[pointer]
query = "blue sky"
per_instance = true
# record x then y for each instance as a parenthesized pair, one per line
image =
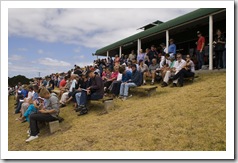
(53, 40)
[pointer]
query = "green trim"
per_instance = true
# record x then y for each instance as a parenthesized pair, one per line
(162, 27)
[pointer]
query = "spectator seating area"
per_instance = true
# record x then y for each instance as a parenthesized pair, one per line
(105, 80)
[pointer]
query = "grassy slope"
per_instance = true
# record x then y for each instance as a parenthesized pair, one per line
(188, 118)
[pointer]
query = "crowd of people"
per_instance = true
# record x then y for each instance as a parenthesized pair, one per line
(107, 77)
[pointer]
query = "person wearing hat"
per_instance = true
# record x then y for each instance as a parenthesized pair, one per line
(94, 92)
(172, 48)
(200, 49)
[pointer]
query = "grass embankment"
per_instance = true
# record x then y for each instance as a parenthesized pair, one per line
(188, 118)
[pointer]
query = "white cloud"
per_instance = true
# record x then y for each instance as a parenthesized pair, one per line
(40, 51)
(93, 28)
(82, 64)
(15, 57)
(22, 49)
(77, 50)
(79, 57)
(53, 62)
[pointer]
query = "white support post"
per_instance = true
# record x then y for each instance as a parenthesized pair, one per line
(107, 55)
(138, 46)
(210, 42)
(120, 51)
(167, 41)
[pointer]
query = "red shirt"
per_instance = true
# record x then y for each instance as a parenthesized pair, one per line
(62, 83)
(114, 75)
(201, 40)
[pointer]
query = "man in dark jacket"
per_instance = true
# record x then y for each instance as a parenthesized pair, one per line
(135, 81)
(94, 92)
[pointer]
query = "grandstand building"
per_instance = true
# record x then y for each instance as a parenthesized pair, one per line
(182, 29)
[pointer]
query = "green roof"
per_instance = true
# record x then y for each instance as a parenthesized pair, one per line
(164, 26)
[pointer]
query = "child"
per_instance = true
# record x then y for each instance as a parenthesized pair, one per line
(45, 114)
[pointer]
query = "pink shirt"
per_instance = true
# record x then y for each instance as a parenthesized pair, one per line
(114, 75)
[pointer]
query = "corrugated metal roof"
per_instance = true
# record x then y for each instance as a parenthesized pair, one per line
(164, 26)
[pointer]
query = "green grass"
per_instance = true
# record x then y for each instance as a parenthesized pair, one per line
(174, 119)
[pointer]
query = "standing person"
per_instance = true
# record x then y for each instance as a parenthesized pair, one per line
(164, 49)
(172, 48)
(144, 70)
(46, 113)
(151, 55)
(132, 55)
(147, 50)
(219, 43)
(200, 49)
(140, 56)
(116, 60)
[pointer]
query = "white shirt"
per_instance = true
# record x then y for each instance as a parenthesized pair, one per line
(192, 66)
(128, 69)
(179, 65)
(161, 64)
(72, 85)
(30, 95)
(119, 77)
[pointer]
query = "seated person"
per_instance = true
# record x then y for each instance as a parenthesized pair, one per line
(106, 74)
(65, 95)
(187, 71)
(75, 90)
(45, 114)
(111, 79)
(84, 85)
(32, 109)
(50, 84)
(22, 93)
(143, 68)
(94, 92)
(152, 71)
(178, 65)
(25, 105)
(169, 65)
(63, 82)
(135, 81)
(66, 87)
(26, 94)
(126, 76)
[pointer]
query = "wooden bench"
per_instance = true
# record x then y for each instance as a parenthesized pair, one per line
(54, 125)
(108, 103)
(150, 89)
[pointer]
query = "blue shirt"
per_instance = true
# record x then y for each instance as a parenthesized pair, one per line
(126, 76)
(35, 96)
(24, 93)
(140, 56)
(172, 49)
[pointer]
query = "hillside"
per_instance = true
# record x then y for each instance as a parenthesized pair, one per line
(189, 118)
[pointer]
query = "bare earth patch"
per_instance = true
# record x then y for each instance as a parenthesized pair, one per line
(174, 119)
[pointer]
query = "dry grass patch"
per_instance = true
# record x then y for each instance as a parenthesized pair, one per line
(174, 119)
